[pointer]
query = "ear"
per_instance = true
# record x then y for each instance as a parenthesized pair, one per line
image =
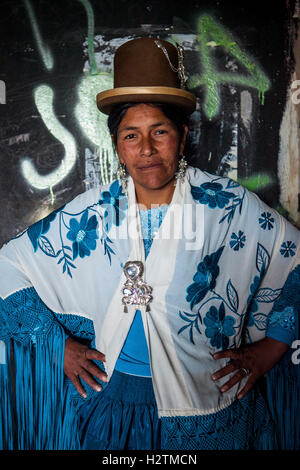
(183, 139)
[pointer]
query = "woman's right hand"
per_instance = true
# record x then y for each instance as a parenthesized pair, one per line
(78, 365)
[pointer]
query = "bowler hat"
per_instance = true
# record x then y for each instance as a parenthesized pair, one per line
(148, 70)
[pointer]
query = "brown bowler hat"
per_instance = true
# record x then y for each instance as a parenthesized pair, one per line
(147, 70)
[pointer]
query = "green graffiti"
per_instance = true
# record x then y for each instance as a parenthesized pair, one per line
(257, 181)
(44, 51)
(211, 35)
(91, 29)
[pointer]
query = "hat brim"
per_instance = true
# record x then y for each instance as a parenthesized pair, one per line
(154, 94)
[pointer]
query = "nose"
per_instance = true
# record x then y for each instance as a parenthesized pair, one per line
(147, 148)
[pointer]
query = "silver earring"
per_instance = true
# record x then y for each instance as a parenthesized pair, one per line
(122, 177)
(180, 174)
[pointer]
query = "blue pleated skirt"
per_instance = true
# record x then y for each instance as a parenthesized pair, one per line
(124, 417)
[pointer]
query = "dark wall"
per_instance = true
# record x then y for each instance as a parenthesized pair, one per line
(54, 47)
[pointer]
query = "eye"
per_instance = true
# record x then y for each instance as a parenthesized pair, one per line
(129, 136)
(160, 131)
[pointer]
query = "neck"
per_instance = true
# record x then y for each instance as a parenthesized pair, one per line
(149, 197)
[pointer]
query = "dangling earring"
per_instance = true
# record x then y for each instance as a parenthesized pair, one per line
(122, 176)
(180, 174)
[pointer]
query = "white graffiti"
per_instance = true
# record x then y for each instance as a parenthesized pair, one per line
(44, 102)
(2, 92)
(94, 124)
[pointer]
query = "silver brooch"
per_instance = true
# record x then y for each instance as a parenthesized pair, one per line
(135, 291)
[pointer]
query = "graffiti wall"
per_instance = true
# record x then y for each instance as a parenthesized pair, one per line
(57, 55)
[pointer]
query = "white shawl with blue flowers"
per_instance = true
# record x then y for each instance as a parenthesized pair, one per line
(216, 266)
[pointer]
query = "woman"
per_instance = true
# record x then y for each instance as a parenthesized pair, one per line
(165, 314)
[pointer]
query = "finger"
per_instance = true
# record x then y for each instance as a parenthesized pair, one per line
(228, 353)
(224, 371)
(233, 381)
(93, 369)
(77, 384)
(248, 386)
(94, 354)
(90, 381)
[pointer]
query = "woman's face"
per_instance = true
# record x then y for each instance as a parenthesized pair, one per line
(149, 144)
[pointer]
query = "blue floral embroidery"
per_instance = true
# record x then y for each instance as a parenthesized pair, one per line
(266, 221)
(251, 298)
(287, 249)
(212, 194)
(260, 295)
(237, 241)
(192, 321)
(41, 227)
(205, 278)
(83, 234)
(254, 318)
(219, 327)
(115, 204)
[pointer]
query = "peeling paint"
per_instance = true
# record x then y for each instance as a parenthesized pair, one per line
(289, 159)
(246, 109)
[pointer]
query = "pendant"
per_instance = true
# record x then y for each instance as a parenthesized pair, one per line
(135, 291)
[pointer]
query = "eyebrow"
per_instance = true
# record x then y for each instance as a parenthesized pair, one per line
(134, 128)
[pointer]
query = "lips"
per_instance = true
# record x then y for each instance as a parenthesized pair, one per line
(149, 167)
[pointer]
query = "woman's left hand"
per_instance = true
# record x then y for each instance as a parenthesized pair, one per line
(254, 360)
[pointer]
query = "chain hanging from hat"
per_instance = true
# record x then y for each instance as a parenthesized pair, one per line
(180, 69)
(183, 79)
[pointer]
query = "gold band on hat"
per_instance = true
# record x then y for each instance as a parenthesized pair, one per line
(156, 94)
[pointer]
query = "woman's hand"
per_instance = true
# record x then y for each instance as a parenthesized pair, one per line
(78, 363)
(253, 360)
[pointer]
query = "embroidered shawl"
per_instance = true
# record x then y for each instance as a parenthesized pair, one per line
(216, 266)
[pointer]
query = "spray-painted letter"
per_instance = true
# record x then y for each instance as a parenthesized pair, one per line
(212, 34)
(44, 103)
